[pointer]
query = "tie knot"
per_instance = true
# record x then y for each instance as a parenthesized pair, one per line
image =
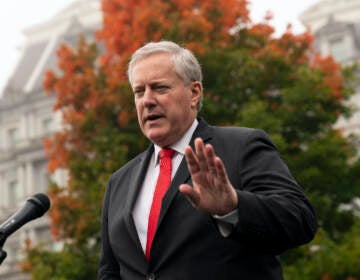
(166, 153)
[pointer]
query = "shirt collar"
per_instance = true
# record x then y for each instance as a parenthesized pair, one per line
(180, 145)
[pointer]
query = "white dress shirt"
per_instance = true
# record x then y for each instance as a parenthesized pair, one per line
(144, 200)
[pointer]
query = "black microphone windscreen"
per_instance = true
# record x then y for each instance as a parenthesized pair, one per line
(41, 201)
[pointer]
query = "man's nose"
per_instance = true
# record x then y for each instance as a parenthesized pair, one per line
(149, 98)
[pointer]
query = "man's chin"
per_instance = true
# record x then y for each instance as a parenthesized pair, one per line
(158, 138)
(155, 136)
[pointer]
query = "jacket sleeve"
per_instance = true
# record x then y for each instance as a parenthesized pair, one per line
(108, 266)
(273, 212)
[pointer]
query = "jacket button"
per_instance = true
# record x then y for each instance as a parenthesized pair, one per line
(150, 276)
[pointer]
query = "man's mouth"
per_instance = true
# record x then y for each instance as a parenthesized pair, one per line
(153, 117)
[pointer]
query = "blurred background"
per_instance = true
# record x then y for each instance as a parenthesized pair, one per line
(64, 101)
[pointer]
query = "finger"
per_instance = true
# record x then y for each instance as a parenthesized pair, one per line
(221, 171)
(210, 158)
(191, 160)
(200, 153)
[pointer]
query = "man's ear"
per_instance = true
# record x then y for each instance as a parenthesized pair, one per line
(196, 90)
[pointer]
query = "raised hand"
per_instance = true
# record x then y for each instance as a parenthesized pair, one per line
(212, 191)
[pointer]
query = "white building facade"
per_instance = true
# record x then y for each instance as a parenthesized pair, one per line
(27, 117)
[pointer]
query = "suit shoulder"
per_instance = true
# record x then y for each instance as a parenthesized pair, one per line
(241, 136)
(130, 165)
(238, 131)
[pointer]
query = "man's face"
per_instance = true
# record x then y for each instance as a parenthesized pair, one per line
(166, 107)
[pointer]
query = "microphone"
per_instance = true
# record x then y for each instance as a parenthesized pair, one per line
(34, 207)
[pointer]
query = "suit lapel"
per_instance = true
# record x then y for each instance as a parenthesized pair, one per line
(182, 175)
(137, 178)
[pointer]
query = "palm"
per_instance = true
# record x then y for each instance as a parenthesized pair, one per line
(212, 191)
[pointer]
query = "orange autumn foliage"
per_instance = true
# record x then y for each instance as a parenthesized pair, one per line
(326, 277)
(295, 48)
(128, 24)
(90, 87)
(67, 206)
(89, 81)
(55, 151)
(199, 25)
(332, 74)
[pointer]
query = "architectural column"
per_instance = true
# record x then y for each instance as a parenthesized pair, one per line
(23, 127)
(31, 125)
(3, 195)
(21, 175)
(30, 188)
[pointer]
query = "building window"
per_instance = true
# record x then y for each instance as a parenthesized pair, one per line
(14, 253)
(42, 234)
(42, 175)
(13, 136)
(338, 49)
(47, 125)
(13, 193)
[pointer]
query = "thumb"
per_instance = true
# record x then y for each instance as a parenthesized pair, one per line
(189, 192)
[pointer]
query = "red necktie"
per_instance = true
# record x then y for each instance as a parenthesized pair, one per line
(162, 184)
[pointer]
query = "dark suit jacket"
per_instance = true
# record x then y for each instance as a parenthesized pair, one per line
(274, 215)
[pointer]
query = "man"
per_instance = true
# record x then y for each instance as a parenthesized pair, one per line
(232, 205)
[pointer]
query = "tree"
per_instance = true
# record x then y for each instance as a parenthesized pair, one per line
(251, 79)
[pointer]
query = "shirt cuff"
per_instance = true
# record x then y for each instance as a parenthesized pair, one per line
(226, 222)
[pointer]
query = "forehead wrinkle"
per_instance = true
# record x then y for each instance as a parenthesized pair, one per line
(158, 61)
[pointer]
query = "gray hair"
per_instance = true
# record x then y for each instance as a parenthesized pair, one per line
(186, 66)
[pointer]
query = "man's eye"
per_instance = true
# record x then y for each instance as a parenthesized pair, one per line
(161, 88)
(139, 92)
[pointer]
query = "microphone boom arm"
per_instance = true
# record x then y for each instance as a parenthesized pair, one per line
(34, 207)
